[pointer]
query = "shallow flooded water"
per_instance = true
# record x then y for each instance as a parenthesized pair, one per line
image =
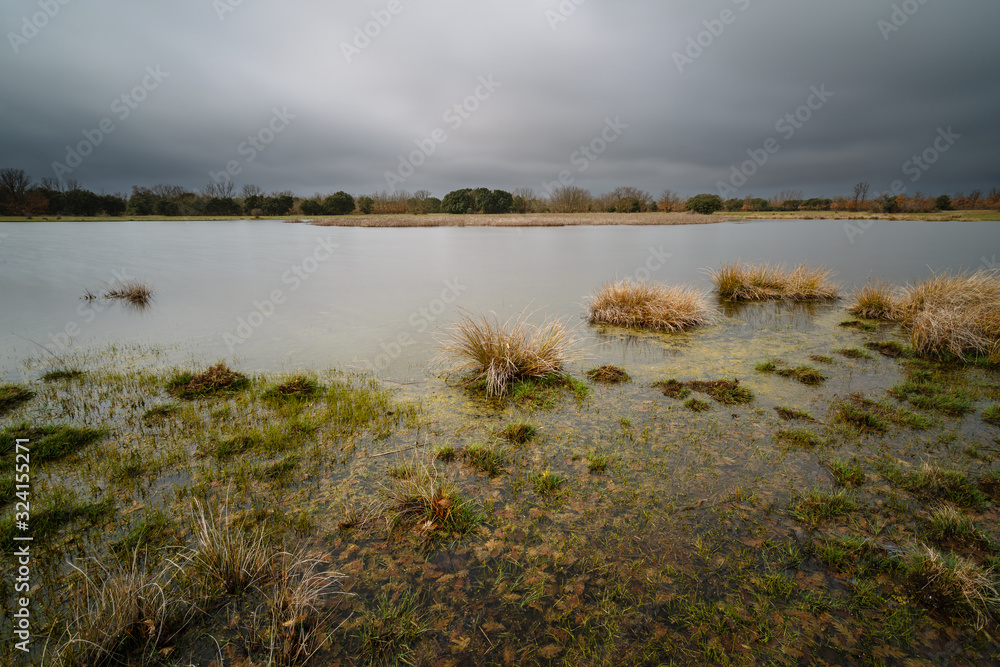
(277, 297)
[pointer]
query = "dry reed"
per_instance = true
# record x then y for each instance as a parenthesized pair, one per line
(628, 303)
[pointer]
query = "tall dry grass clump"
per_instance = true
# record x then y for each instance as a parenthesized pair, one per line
(952, 582)
(739, 281)
(629, 303)
(501, 352)
(133, 291)
(957, 314)
(877, 300)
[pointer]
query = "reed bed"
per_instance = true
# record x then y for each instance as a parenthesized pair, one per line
(739, 281)
(500, 353)
(644, 305)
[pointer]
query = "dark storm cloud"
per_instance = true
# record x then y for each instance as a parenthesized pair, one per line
(562, 70)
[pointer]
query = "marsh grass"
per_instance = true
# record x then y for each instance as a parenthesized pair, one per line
(501, 353)
(135, 292)
(644, 305)
(608, 375)
(296, 388)
(797, 438)
(868, 415)
(59, 508)
(542, 393)
(889, 348)
(519, 433)
(48, 443)
(727, 392)
(597, 462)
(859, 325)
(547, 483)
(61, 374)
(487, 459)
(391, 628)
(121, 608)
(927, 392)
(877, 300)
(792, 414)
(817, 507)
(854, 353)
(953, 584)
(445, 454)
(696, 405)
(159, 413)
(943, 484)
(821, 358)
(955, 314)
(428, 504)
(12, 395)
(229, 555)
(738, 281)
(947, 522)
(217, 379)
(805, 374)
(991, 415)
(153, 530)
(847, 473)
(990, 485)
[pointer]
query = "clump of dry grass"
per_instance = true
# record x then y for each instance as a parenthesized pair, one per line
(629, 303)
(133, 291)
(216, 379)
(118, 608)
(877, 300)
(228, 556)
(739, 281)
(428, 504)
(500, 353)
(958, 314)
(608, 374)
(951, 582)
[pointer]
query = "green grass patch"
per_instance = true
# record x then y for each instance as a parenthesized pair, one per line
(853, 353)
(727, 392)
(446, 454)
(547, 483)
(889, 348)
(428, 505)
(805, 374)
(519, 433)
(952, 585)
(62, 374)
(61, 508)
(389, 630)
(297, 388)
(821, 358)
(47, 443)
(948, 523)
(696, 405)
(159, 413)
(942, 484)
(859, 325)
(12, 395)
(791, 414)
(867, 415)
(847, 473)
(597, 462)
(486, 459)
(818, 507)
(928, 392)
(542, 393)
(991, 415)
(990, 485)
(797, 438)
(281, 469)
(153, 530)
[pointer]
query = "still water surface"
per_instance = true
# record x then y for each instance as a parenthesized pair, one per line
(364, 298)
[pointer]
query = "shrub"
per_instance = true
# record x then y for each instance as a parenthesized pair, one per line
(704, 203)
(366, 205)
(457, 202)
(339, 203)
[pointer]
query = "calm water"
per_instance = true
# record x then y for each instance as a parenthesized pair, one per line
(273, 296)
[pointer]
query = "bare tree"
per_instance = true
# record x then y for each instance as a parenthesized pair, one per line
(53, 184)
(785, 195)
(14, 186)
(570, 199)
(251, 190)
(668, 200)
(214, 190)
(861, 193)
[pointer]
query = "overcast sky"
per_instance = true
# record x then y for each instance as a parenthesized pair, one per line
(201, 77)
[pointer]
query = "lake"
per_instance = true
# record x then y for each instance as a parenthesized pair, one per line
(273, 296)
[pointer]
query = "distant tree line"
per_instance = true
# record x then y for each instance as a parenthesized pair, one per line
(21, 196)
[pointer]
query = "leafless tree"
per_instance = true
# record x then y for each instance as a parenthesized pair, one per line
(861, 193)
(14, 186)
(569, 199)
(668, 200)
(214, 190)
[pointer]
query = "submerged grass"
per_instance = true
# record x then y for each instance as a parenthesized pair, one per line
(608, 375)
(888, 348)
(727, 392)
(427, 504)
(62, 374)
(868, 415)
(797, 438)
(645, 305)
(791, 414)
(133, 291)
(500, 353)
(47, 443)
(738, 281)
(943, 484)
(818, 506)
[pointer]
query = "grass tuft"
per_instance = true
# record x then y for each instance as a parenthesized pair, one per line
(298, 387)
(797, 438)
(488, 460)
(847, 473)
(818, 507)
(500, 353)
(805, 374)
(991, 415)
(218, 378)
(133, 291)
(791, 414)
(608, 375)
(547, 483)
(955, 314)
(429, 505)
(727, 392)
(519, 433)
(739, 281)
(389, 630)
(853, 353)
(48, 443)
(888, 348)
(877, 300)
(696, 405)
(949, 485)
(62, 374)
(228, 555)
(952, 584)
(12, 395)
(645, 305)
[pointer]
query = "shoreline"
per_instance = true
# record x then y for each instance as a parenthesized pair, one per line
(545, 219)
